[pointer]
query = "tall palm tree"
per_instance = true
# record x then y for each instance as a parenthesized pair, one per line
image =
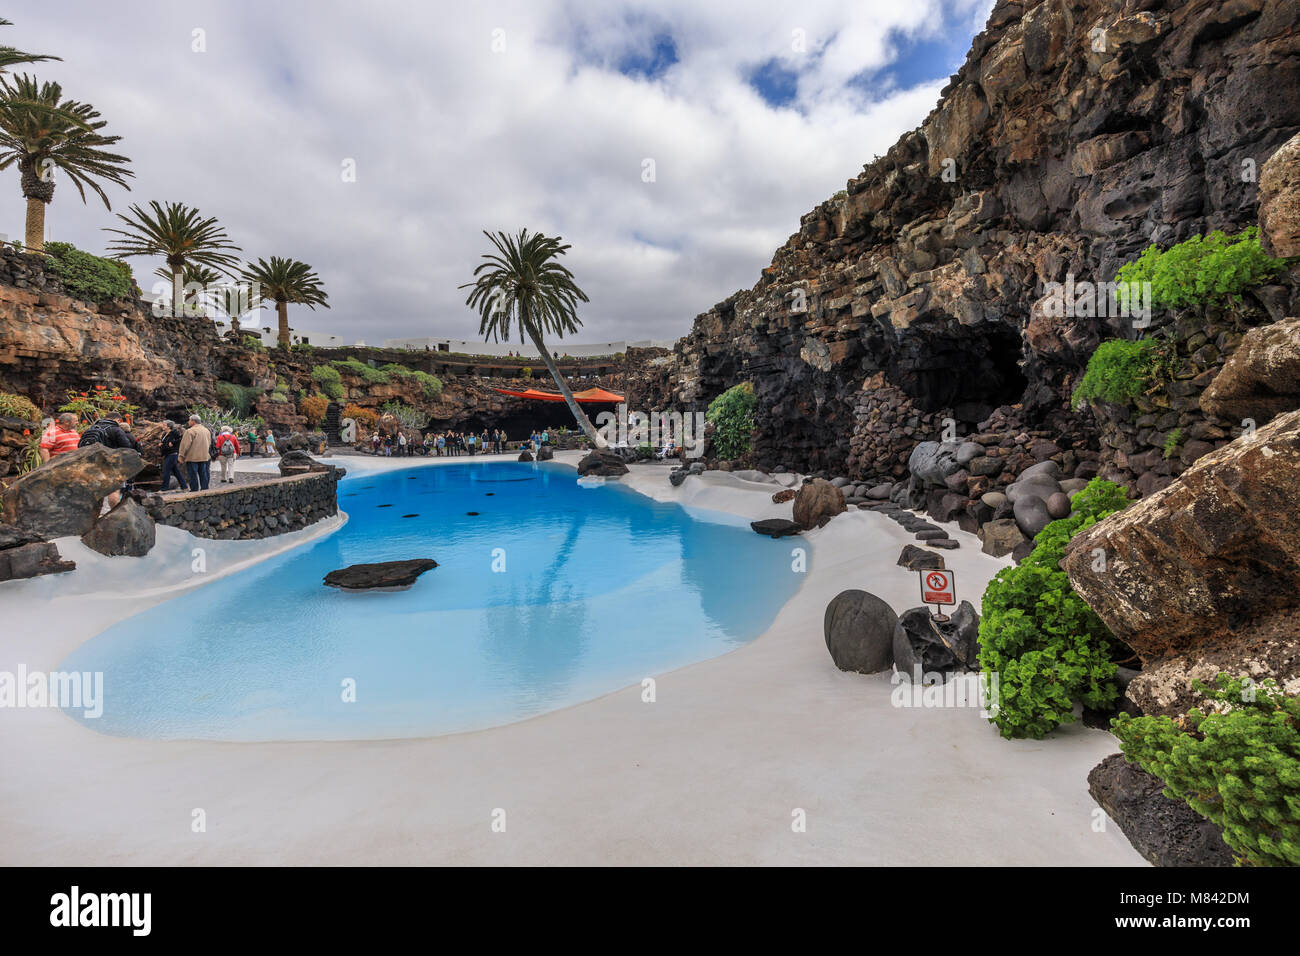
(11, 57)
(40, 132)
(284, 281)
(523, 285)
(180, 235)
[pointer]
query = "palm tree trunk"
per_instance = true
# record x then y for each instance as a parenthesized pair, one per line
(579, 415)
(178, 291)
(34, 233)
(282, 312)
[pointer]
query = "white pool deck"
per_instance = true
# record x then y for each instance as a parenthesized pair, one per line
(716, 771)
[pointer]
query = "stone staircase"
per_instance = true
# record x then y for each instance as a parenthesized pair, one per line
(333, 416)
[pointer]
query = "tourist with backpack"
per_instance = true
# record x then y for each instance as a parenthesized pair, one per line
(227, 453)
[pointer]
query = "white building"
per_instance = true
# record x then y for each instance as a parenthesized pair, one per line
(527, 350)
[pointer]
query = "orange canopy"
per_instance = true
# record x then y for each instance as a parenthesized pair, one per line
(587, 395)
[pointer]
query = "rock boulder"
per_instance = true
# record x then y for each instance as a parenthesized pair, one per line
(1261, 378)
(1167, 832)
(602, 464)
(816, 503)
(125, 530)
(382, 576)
(1209, 567)
(1279, 201)
(859, 630)
(63, 496)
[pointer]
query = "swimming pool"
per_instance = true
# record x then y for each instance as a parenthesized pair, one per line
(552, 593)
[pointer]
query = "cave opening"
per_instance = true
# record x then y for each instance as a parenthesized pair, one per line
(969, 369)
(519, 423)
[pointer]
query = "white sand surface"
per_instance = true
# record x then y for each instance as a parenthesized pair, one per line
(732, 751)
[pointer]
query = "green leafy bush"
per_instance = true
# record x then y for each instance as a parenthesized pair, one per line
(88, 277)
(732, 415)
(16, 406)
(1238, 765)
(239, 398)
(1172, 441)
(1118, 372)
(329, 380)
(371, 376)
(254, 343)
(1203, 269)
(1046, 648)
(431, 384)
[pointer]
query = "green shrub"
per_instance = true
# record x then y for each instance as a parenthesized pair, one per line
(254, 342)
(238, 398)
(89, 277)
(1118, 372)
(431, 384)
(1172, 441)
(1044, 646)
(371, 376)
(732, 415)
(1239, 765)
(1203, 269)
(329, 380)
(16, 406)
(525, 372)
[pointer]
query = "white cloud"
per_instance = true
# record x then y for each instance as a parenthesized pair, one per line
(451, 138)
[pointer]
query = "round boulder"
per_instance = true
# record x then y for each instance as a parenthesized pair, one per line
(859, 631)
(1058, 505)
(1031, 515)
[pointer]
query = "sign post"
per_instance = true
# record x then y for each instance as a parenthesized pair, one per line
(938, 588)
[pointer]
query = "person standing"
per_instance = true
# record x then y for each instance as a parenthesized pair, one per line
(227, 453)
(171, 447)
(268, 444)
(401, 444)
(195, 454)
(61, 436)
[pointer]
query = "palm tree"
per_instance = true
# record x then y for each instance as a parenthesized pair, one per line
(11, 57)
(40, 132)
(523, 285)
(284, 281)
(180, 235)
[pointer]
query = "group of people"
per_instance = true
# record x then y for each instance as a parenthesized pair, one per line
(441, 444)
(188, 455)
(60, 436)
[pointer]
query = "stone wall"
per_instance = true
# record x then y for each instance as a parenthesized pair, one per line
(1049, 155)
(249, 511)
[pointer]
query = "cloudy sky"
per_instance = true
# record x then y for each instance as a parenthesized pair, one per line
(492, 115)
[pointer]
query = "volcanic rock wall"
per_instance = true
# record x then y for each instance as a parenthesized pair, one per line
(1076, 133)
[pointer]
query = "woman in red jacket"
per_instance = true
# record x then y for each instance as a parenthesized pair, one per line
(227, 452)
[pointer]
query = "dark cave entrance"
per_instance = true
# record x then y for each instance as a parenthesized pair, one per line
(969, 369)
(520, 422)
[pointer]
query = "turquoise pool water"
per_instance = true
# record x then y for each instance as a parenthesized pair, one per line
(554, 593)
